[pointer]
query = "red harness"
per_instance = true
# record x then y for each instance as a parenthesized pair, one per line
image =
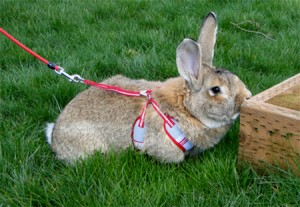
(139, 127)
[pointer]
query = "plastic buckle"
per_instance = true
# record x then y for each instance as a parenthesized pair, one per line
(146, 93)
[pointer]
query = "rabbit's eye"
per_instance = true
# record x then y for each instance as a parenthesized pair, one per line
(216, 89)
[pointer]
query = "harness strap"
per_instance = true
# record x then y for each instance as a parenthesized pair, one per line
(138, 134)
(178, 137)
(174, 133)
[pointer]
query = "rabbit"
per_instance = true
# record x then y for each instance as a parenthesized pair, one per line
(204, 101)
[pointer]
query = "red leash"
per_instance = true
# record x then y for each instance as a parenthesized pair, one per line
(60, 70)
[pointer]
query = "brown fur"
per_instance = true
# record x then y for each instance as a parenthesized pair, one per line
(97, 120)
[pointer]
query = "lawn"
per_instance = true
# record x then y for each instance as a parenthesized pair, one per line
(257, 40)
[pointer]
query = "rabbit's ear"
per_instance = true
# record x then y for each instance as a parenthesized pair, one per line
(188, 59)
(207, 38)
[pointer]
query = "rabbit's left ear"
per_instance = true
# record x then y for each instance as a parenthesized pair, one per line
(207, 38)
(188, 59)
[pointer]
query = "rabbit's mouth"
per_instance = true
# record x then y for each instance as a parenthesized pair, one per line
(216, 120)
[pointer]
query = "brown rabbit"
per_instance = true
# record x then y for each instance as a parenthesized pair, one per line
(204, 101)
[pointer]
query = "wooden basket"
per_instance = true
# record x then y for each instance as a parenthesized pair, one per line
(270, 127)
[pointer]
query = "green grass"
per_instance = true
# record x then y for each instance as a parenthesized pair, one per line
(138, 39)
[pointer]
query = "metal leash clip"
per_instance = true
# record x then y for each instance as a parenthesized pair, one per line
(72, 78)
